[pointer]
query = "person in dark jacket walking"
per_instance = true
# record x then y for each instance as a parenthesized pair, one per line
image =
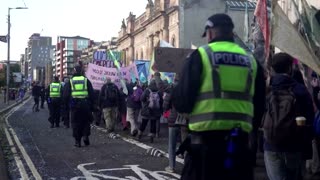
(53, 95)
(286, 160)
(78, 93)
(43, 96)
(97, 109)
(123, 110)
(65, 108)
(109, 100)
(151, 109)
(36, 93)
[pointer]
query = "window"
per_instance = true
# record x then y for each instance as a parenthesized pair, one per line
(69, 44)
(141, 55)
(69, 53)
(173, 41)
(82, 44)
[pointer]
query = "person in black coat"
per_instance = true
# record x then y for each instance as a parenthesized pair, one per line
(54, 105)
(43, 96)
(80, 110)
(36, 93)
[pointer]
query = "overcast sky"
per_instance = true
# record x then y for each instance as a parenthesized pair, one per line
(95, 19)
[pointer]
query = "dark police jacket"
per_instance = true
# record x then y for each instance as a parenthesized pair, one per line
(185, 93)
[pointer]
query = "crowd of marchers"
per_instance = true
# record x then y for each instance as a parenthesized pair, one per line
(216, 104)
(145, 103)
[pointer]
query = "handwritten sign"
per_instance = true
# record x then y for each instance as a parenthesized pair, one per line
(170, 59)
(98, 74)
(107, 63)
(104, 55)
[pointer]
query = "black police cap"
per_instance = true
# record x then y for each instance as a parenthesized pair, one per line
(218, 20)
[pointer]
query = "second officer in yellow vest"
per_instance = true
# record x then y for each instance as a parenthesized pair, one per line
(79, 95)
(221, 87)
(54, 100)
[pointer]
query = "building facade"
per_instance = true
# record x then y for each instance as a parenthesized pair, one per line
(24, 65)
(66, 53)
(37, 54)
(288, 6)
(179, 22)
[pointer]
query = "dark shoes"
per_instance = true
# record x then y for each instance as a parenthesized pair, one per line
(57, 125)
(77, 144)
(151, 139)
(139, 135)
(52, 126)
(134, 133)
(86, 141)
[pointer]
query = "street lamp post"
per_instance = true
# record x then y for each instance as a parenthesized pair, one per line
(8, 53)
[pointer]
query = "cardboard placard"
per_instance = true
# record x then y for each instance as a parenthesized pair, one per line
(170, 59)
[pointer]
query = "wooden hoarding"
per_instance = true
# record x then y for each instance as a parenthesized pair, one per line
(170, 59)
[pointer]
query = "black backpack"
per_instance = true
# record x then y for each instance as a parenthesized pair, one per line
(111, 93)
(279, 123)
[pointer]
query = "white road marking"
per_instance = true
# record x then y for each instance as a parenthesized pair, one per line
(19, 163)
(143, 174)
(139, 144)
(25, 155)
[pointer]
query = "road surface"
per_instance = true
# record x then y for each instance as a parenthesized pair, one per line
(44, 153)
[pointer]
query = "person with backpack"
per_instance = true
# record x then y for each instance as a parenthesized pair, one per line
(151, 109)
(287, 144)
(134, 106)
(109, 101)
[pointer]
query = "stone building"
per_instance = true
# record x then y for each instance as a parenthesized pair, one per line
(179, 22)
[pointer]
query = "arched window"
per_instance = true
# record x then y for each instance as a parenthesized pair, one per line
(173, 41)
(141, 55)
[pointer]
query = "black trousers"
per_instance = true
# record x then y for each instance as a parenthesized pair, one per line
(80, 122)
(65, 117)
(153, 125)
(206, 160)
(36, 102)
(55, 110)
(42, 101)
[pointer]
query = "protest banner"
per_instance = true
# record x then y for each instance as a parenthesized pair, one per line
(98, 74)
(170, 59)
(107, 63)
(104, 55)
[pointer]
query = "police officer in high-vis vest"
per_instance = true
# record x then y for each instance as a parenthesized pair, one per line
(54, 100)
(78, 93)
(222, 91)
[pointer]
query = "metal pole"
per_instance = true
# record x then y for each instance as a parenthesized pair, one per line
(8, 58)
